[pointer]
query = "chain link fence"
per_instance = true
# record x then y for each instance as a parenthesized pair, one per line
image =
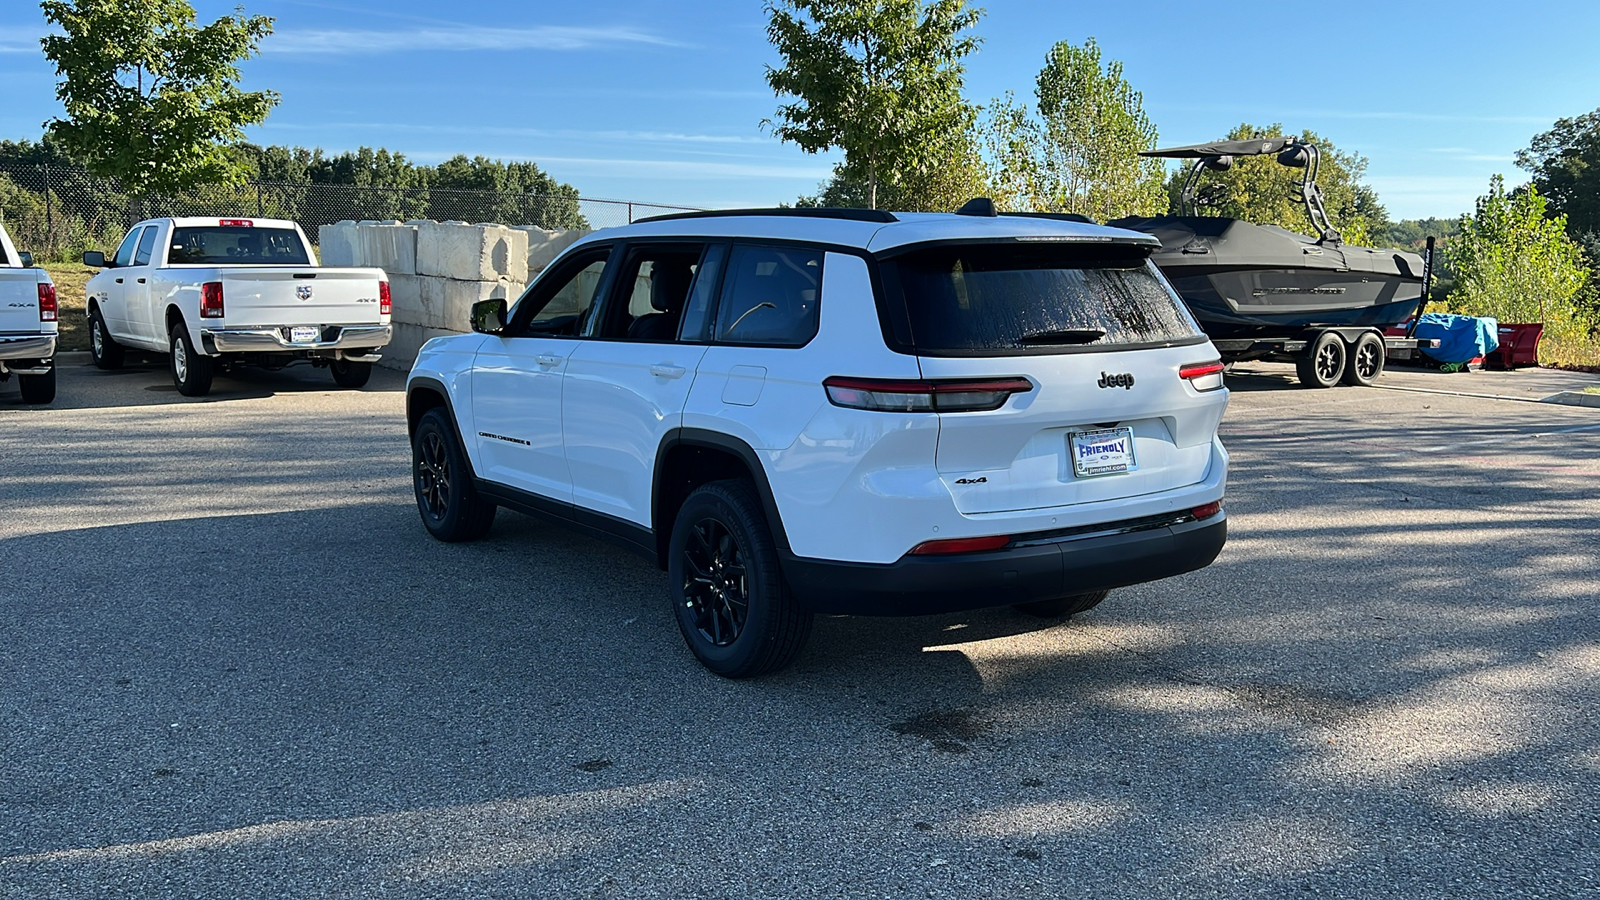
(57, 212)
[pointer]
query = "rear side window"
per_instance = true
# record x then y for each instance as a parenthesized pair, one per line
(211, 245)
(147, 243)
(988, 299)
(770, 296)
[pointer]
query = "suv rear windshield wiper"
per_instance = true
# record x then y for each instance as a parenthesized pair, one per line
(1064, 336)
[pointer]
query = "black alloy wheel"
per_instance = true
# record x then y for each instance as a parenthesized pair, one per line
(451, 508)
(1323, 362)
(1366, 361)
(728, 593)
(716, 587)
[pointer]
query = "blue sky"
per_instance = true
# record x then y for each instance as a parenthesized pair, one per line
(662, 102)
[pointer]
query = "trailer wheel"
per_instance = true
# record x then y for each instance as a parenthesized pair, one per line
(1366, 361)
(1323, 361)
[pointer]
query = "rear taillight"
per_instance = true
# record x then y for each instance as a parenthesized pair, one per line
(1206, 511)
(47, 302)
(961, 545)
(211, 300)
(384, 303)
(1206, 376)
(952, 395)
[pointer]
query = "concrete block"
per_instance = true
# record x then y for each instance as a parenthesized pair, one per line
(446, 303)
(336, 244)
(472, 252)
(544, 245)
(389, 246)
(402, 349)
(405, 291)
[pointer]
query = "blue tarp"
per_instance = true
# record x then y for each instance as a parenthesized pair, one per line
(1461, 338)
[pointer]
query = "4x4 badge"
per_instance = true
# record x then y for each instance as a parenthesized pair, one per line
(1122, 380)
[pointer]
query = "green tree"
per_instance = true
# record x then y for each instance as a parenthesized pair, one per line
(150, 98)
(1517, 264)
(1080, 154)
(957, 175)
(1565, 162)
(1258, 189)
(878, 79)
(522, 194)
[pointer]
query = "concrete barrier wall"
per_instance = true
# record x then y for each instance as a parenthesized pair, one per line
(437, 270)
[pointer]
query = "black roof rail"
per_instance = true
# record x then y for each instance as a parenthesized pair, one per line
(799, 212)
(1059, 217)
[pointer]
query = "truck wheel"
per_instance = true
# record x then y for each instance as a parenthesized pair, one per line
(1323, 361)
(1061, 607)
(38, 388)
(728, 593)
(1366, 361)
(451, 509)
(347, 374)
(107, 353)
(191, 371)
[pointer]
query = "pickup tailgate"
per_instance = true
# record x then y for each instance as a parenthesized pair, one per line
(19, 300)
(285, 295)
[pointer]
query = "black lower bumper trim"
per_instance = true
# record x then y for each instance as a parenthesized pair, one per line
(920, 585)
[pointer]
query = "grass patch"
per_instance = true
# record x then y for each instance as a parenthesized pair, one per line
(1570, 353)
(72, 282)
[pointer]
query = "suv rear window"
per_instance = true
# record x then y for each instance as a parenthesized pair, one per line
(983, 299)
(212, 245)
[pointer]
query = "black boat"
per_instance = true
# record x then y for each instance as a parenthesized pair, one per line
(1246, 282)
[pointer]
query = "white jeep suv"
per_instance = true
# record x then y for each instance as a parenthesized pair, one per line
(847, 411)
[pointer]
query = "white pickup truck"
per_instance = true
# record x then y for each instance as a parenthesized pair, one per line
(27, 324)
(210, 292)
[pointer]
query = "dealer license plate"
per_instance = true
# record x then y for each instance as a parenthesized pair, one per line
(1108, 451)
(304, 334)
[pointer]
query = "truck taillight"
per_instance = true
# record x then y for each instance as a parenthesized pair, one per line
(945, 395)
(384, 303)
(47, 303)
(236, 223)
(211, 300)
(1206, 376)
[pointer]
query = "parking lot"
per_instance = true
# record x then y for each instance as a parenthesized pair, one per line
(232, 664)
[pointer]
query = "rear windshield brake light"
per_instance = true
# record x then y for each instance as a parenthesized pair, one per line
(47, 302)
(237, 223)
(944, 395)
(1206, 376)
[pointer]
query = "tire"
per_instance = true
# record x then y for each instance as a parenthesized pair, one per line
(347, 374)
(1323, 362)
(451, 509)
(38, 389)
(1062, 607)
(728, 594)
(107, 353)
(191, 371)
(1366, 361)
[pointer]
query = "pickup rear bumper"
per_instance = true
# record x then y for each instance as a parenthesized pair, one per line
(27, 346)
(276, 340)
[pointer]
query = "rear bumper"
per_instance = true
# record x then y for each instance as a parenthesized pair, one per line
(27, 346)
(276, 340)
(920, 585)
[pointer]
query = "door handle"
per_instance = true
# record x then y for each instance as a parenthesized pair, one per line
(662, 371)
(141, 281)
(119, 281)
(545, 359)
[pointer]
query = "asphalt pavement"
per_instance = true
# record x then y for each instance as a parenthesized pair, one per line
(232, 664)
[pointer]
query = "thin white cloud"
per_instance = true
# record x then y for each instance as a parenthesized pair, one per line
(1287, 116)
(543, 37)
(671, 169)
(656, 137)
(19, 40)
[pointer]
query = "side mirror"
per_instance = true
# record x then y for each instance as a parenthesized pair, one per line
(489, 316)
(94, 259)
(25, 258)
